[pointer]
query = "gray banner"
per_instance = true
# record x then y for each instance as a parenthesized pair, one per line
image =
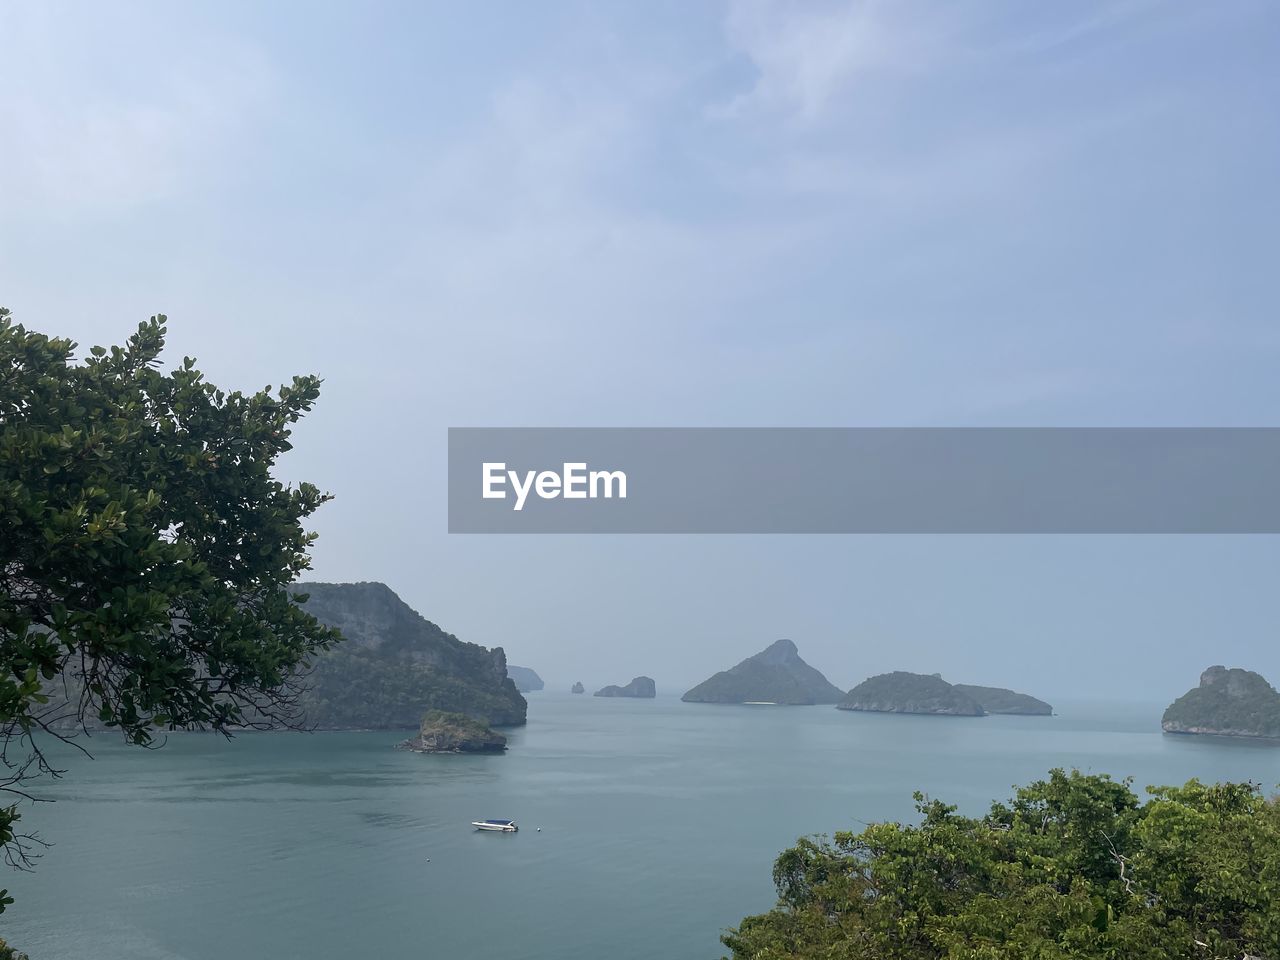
(864, 480)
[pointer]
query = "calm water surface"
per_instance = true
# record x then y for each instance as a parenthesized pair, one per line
(660, 821)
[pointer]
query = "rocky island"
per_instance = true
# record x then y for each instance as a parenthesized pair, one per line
(1000, 700)
(1228, 703)
(526, 680)
(578, 688)
(394, 665)
(902, 692)
(642, 687)
(443, 732)
(774, 675)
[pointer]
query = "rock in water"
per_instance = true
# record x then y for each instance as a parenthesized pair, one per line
(578, 688)
(642, 687)
(443, 732)
(394, 665)
(1000, 700)
(774, 675)
(526, 680)
(1228, 703)
(902, 692)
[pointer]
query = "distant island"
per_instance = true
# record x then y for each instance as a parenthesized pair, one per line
(1227, 703)
(1000, 700)
(394, 665)
(526, 680)
(578, 688)
(443, 732)
(902, 692)
(642, 687)
(774, 675)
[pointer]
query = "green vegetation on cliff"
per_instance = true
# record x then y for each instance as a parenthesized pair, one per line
(774, 675)
(396, 665)
(1073, 868)
(443, 732)
(902, 692)
(1000, 700)
(1232, 703)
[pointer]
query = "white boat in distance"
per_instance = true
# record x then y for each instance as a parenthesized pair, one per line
(504, 826)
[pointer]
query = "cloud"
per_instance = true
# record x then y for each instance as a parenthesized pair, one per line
(539, 210)
(806, 57)
(102, 113)
(1109, 17)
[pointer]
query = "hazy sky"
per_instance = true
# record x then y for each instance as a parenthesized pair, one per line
(741, 213)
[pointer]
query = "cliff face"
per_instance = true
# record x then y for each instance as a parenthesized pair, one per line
(395, 666)
(1228, 703)
(526, 680)
(643, 687)
(902, 692)
(774, 675)
(1000, 700)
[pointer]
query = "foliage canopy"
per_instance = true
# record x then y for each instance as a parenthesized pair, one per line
(1075, 866)
(145, 547)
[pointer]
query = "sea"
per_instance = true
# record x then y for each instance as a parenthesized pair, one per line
(646, 826)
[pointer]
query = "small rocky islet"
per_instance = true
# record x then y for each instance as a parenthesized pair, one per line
(444, 732)
(640, 687)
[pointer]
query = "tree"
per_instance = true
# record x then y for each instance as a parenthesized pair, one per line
(145, 550)
(1073, 867)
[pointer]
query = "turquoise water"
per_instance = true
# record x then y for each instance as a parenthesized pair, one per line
(660, 821)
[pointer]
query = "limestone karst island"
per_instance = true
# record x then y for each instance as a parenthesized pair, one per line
(1227, 703)
(774, 675)
(641, 687)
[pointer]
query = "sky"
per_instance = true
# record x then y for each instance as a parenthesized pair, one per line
(741, 213)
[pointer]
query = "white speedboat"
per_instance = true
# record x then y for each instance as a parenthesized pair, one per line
(503, 826)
